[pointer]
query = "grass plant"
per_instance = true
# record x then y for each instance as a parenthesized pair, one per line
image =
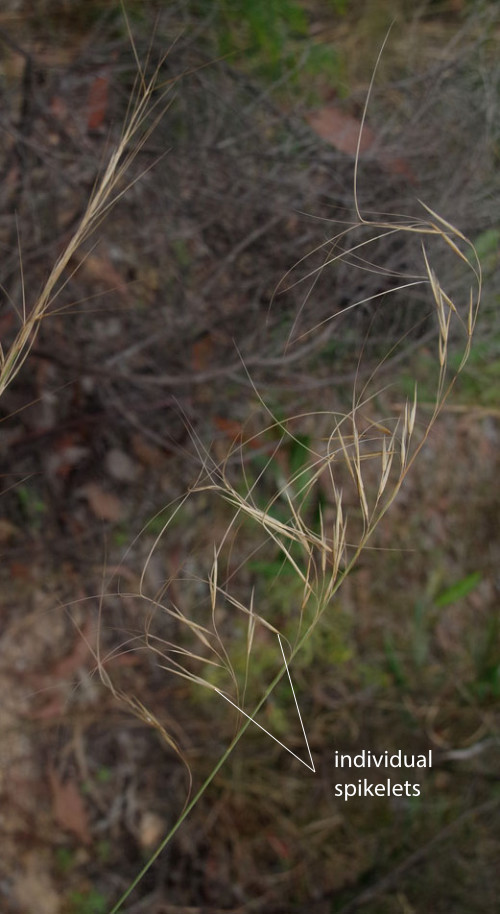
(370, 455)
(361, 458)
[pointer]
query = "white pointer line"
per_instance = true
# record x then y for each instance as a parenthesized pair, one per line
(311, 766)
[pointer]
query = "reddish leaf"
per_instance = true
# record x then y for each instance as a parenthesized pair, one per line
(58, 108)
(340, 130)
(54, 707)
(6, 323)
(201, 353)
(97, 102)
(398, 166)
(147, 453)
(123, 660)
(20, 571)
(279, 847)
(68, 807)
(230, 427)
(103, 504)
(100, 269)
(76, 659)
(235, 430)
(67, 453)
(343, 130)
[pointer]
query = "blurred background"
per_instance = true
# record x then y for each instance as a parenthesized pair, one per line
(199, 314)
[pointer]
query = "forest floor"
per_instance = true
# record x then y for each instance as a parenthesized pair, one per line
(170, 340)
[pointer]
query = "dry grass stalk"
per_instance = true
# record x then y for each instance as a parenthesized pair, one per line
(147, 106)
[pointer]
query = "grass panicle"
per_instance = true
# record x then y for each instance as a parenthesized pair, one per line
(371, 455)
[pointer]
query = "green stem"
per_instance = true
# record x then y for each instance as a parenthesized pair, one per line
(168, 837)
